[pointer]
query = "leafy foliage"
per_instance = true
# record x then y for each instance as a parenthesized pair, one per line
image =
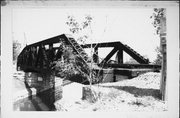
(16, 49)
(157, 15)
(70, 63)
(73, 24)
(158, 60)
(77, 27)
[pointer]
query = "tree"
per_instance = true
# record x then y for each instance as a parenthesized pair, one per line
(16, 49)
(158, 59)
(158, 14)
(71, 63)
(84, 32)
(160, 25)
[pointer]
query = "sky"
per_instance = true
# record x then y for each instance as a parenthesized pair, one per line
(130, 26)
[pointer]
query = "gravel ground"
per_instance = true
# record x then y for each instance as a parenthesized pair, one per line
(137, 94)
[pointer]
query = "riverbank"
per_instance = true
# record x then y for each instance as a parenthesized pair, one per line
(137, 94)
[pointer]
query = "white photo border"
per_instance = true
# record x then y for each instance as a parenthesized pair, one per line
(172, 56)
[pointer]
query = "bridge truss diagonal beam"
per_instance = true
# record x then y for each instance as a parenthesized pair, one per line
(109, 55)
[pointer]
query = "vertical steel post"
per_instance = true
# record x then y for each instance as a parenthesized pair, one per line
(119, 56)
(95, 55)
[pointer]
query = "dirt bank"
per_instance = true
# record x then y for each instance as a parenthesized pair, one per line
(138, 94)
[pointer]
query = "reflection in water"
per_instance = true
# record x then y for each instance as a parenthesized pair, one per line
(47, 93)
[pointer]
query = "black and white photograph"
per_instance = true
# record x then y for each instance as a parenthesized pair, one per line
(90, 58)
